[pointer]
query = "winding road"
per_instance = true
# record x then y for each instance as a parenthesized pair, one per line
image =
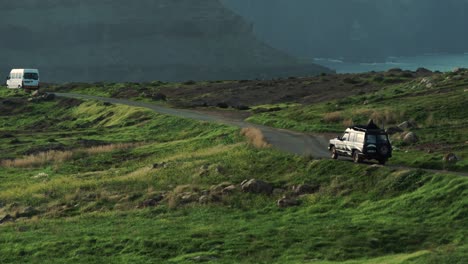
(289, 141)
(314, 145)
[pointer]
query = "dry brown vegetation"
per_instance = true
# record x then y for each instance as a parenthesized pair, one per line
(333, 117)
(255, 137)
(57, 157)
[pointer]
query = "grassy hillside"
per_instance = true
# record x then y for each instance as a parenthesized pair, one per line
(88, 182)
(436, 105)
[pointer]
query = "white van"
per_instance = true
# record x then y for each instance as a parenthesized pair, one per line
(23, 78)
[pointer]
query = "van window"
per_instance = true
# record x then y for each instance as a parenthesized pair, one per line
(31, 76)
(352, 137)
(345, 137)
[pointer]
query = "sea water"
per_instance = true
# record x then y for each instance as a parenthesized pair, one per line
(434, 62)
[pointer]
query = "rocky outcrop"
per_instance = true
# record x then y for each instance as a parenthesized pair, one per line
(171, 40)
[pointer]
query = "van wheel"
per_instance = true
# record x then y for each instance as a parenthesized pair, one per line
(334, 154)
(356, 157)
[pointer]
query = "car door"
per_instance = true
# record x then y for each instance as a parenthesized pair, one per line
(341, 146)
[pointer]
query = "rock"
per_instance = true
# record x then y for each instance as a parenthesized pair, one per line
(288, 202)
(458, 70)
(48, 96)
(219, 169)
(6, 218)
(256, 186)
(220, 187)
(242, 107)
(366, 102)
(35, 93)
(188, 198)
(160, 165)
(457, 77)
(28, 212)
(407, 125)
(152, 202)
(229, 189)
(304, 189)
(410, 138)
(204, 199)
(451, 158)
(393, 130)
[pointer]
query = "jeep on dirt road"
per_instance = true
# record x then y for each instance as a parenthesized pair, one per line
(362, 143)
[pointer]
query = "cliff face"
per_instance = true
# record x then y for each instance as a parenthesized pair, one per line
(358, 29)
(86, 40)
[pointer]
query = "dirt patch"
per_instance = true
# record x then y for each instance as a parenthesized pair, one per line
(69, 103)
(255, 137)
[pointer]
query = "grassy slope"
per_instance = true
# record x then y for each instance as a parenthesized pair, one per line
(440, 112)
(87, 205)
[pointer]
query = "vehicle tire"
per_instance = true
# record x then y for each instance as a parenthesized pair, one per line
(356, 157)
(382, 161)
(334, 154)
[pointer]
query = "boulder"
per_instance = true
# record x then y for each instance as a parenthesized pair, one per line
(410, 138)
(451, 158)
(393, 130)
(288, 202)
(229, 189)
(188, 198)
(304, 189)
(256, 186)
(48, 96)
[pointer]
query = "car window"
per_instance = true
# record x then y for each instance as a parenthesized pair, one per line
(31, 76)
(371, 139)
(345, 137)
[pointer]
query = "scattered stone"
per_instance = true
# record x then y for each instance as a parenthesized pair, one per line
(366, 102)
(220, 187)
(451, 158)
(27, 212)
(407, 125)
(256, 186)
(304, 189)
(229, 189)
(393, 130)
(41, 175)
(288, 202)
(160, 165)
(458, 70)
(35, 93)
(152, 202)
(204, 199)
(410, 138)
(186, 198)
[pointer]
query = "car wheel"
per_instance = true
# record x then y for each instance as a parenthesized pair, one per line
(356, 157)
(334, 154)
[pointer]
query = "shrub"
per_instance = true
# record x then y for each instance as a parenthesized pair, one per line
(255, 137)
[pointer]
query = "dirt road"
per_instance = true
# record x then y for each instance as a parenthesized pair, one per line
(313, 145)
(285, 140)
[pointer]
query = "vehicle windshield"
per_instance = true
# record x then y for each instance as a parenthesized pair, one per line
(374, 139)
(31, 76)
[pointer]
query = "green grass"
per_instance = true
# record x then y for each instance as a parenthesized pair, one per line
(439, 111)
(88, 206)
